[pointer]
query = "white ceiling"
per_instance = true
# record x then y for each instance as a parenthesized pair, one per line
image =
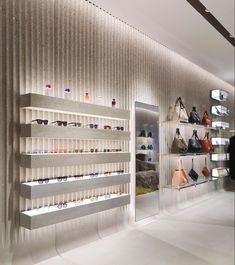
(177, 25)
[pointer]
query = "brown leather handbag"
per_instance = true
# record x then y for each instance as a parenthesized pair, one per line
(180, 177)
(206, 143)
(206, 120)
(205, 170)
(178, 144)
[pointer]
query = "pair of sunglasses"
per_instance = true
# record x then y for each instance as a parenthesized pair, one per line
(107, 172)
(119, 171)
(118, 128)
(60, 123)
(93, 174)
(40, 121)
(91, 125)
(75, 124)
(107, 127)
(62, 205)
(78, 150)
(46, 180)
(60, 179)
(78, 176)
(94, 198)
(92, 150)
(108, 195)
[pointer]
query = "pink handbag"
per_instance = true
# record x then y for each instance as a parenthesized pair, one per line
(180, 177)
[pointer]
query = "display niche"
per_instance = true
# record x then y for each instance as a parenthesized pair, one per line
(147, 160)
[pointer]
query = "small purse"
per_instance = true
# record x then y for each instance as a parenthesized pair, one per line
(194, 145)
(194, 117)
(193, 174)
(180, 113)
(205, 170)
(180, 177)
(206, 120)
(178, 144)
(207, 146)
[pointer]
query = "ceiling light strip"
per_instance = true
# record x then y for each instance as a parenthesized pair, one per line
(212, 20)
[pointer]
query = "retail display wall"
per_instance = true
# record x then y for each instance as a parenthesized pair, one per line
(52, 47)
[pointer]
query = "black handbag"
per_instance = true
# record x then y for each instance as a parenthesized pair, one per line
(194, 145)
(194, 117)
(193, 174)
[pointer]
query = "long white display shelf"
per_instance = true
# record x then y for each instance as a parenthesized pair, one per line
(34, 190)
(61, 132)
(71, 159)
(220, 157)
(191, 184)
(47, 103)
(219, 141)
(220, 172)
(45, 216)
(184, 154)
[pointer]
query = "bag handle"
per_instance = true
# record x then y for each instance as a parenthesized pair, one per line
(195, 135)
(192, 163)
(205, 162)
(177, 133)
(206, 136)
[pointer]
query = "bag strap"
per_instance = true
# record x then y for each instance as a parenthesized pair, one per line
(205, 162)
(192, 163)
(195, 134)
(206, 136)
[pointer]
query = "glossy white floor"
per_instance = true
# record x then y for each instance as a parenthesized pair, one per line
(200, 235)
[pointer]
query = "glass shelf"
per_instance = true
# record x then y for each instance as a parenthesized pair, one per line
(191, 184)
(185, 154)
(220, 111)
(219, 94)
(190, 125)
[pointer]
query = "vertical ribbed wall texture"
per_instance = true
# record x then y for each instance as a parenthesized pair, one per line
(72, 43)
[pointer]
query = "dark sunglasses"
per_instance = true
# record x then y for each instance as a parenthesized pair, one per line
(120, 171)
(150, 147)
(93, 174)
(107, 172)
(143, 147)
(46, 180)
(92, 150)
(118, 128)
(75, 124)
(60, 179)
(60, 123)
(90, 125)
(78, 176)
(62, 205)
(39, 121)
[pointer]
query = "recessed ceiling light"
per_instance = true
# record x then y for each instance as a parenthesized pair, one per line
(230, 36)
(207, 11)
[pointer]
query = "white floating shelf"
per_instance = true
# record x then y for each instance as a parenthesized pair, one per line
(61, 132)
(219, 110)
(70, 159)
(34, 190)
(45, 216)
(220, 157)
(219, 94)
(53, 104)
(219, 141)
(184, 154)
(196, 126)
(220, 172)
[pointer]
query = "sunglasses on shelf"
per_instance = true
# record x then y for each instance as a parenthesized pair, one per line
(60, 179)
(46, 180)
(61, 150)
(93, 174)
(92, 150)
(118, 128)
(94, 198)
(107, 127)
(91, 125)
(60, 123)
(107, 172)
(108, 195)
(77, 151)
(62, 205)
(75, 124)
(120, 171)
(78, 176)
(40, 121)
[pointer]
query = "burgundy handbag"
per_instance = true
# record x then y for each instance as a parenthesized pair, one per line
(205, 170)
(207, 146)
(206, 120)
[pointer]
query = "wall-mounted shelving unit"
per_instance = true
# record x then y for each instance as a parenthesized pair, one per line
(59, 132)
(71, 159)
(42, 159)
(46, 103)
(34, 190)
(45, 216)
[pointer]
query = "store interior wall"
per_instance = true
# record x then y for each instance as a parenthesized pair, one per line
(72, 43)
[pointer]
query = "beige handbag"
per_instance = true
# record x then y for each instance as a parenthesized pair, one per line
(180, 113)
(180, 177)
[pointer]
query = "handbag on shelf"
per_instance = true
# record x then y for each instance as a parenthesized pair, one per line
(194, 145)
(180, 177)
(206, 120)
(205, 170)
(178, 144)
(180, 113)
(194, 117)
(206, 143)
(193, 174)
